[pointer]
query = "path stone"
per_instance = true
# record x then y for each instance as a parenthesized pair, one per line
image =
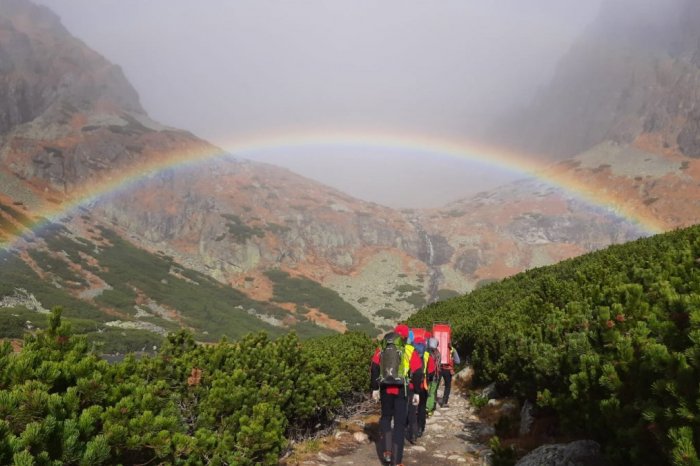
(361, 437)
(416, 448)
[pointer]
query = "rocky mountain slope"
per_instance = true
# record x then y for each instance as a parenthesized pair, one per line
(622, 113)
(71, 125)
(633, 77)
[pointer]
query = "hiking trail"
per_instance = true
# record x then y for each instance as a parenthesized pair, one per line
(454, 435)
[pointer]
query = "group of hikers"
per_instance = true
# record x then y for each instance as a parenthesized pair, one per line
(406, 371)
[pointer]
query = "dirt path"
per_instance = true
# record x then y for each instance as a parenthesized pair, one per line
(453, 436)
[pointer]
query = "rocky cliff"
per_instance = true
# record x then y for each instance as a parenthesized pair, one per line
(634, 75)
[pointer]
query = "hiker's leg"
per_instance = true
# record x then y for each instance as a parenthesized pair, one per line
(412, 418)
(432, 396)
(422, 411)
(448, 385)
(400, 409)
(388, 412)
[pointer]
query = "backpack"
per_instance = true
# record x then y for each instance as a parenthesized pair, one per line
(435, 353)
(393, 367)
(425, 357)
(443, 333)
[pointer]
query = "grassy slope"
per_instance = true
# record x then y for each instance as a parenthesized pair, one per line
(212, 309)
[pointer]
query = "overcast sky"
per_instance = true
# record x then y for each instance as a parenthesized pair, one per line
(230, 69)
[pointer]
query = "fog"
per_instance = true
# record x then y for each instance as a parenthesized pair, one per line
(230, 71)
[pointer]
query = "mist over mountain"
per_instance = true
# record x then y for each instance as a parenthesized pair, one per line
(632, 74)
(278, 73)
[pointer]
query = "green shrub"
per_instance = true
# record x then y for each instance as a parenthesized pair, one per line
(239, 230)
(232, 403)
(610, 341)
(502, 455)
(445, 294)
(477, 400)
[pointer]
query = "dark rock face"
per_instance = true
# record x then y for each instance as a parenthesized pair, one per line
(66, 113)
(469, 261)
(42, 65)
(440, 252)
(689, 137)
(636, 70)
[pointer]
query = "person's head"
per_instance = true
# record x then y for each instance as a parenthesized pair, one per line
(402, 330)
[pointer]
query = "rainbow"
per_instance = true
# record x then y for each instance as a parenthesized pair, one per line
(496, 158)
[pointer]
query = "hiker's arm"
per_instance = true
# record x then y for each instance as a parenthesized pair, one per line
(374, 372)
(455, 357)
(374, 377)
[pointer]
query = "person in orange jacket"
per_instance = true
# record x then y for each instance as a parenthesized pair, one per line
(395, 399)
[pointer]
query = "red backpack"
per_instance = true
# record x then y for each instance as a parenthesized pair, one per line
(443, 333)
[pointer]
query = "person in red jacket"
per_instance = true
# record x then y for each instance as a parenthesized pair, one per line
(417, 414)
(395, 400)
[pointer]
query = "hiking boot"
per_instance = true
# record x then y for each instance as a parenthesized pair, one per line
(386, 457)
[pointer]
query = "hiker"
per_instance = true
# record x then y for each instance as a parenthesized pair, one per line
(417, 414)
(433, 378)
(447, 370)
(394, 366)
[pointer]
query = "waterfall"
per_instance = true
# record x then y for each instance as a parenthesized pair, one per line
(434, 273)
(431, 249)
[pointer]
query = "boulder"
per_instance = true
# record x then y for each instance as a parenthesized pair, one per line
(464, 376)
(578, 453)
